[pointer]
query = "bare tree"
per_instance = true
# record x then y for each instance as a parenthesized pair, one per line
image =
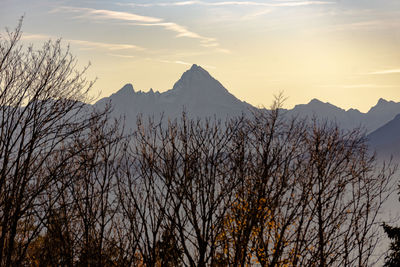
(262, 189)
(203, 187)
(177, 189)
(347, 190)
(310, 195)
(259, 190)
(92, 193)
(81, 226)
(267, 202)
(41, 107)
(142, 195)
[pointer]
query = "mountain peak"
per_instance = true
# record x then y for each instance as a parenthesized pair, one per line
(197, 79)
(196, 71)
(383, 105)
(198, 89)
(382, 101)
(127, 89)
(316, 101)
(196, 67)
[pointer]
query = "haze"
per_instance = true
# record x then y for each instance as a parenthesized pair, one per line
(343, 52)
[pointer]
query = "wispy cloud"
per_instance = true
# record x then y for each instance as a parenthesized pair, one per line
(106, 14)
(181, 31)
(382, 23)
(256, 14)
(85, 44)
(176, 62)
(354, 86)
(121, 55)
(184, 63)
(381, 72)
(109, 46)
(233, 3)
(27, 36)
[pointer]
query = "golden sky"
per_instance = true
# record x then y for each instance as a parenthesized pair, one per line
(346, 52)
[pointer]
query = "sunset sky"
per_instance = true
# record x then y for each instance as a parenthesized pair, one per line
(346, 52)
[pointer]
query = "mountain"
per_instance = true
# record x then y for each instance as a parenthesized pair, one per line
(377, 116)
(383, 112)
(386, 140)
(326, 111)
(196, 93)
(200, 95)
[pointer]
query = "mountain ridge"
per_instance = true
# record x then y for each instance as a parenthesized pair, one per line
(196, 92)
(386, 140)
(201, 95)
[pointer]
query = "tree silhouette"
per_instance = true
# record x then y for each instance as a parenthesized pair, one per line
(41, 108)
(393, 232)
(258, 189)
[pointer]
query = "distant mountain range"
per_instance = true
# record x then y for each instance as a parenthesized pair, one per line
(386, 139)
(200, 95)
(196, 93)
(377, 116)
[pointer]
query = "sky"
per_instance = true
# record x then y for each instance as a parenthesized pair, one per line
(345, 52)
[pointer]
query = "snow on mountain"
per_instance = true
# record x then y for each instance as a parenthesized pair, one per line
(200, 95)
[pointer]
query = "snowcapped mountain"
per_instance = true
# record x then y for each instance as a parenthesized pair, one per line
(200, 95)
(196, 93)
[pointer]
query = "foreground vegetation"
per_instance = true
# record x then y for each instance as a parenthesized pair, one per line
(75, 190)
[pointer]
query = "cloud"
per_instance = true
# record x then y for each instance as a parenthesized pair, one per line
(256, 14)
(381, 72)
(106, 14)
(351, 86)
(184, 32)
(109, 46)
(185, 63)
(27, 36)
(176, 62)
(233, 3)
(121, 56)
(90, 13)
(85, 44)
(354, 86)
(368, 25)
